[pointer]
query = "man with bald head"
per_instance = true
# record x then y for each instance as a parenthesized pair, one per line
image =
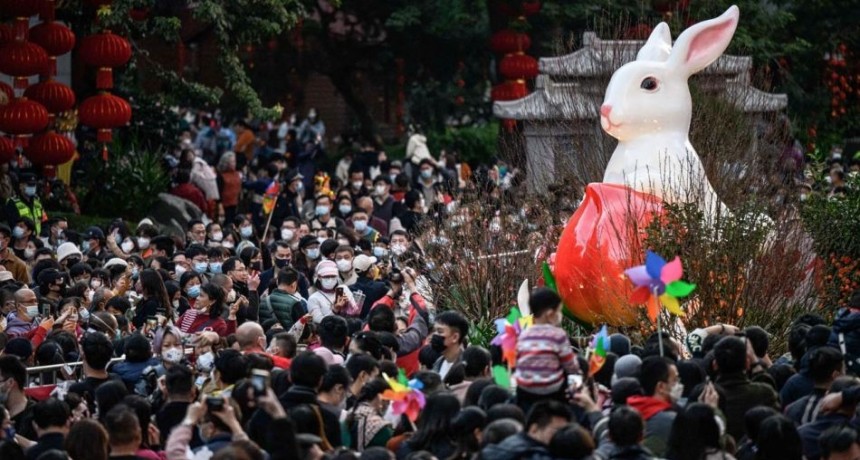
(252, 339)
(23, 322)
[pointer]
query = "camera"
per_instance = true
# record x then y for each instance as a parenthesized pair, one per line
(214, 404)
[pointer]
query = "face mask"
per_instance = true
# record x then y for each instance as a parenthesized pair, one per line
(281, 263)
(29, 253)
(205, 361)
(193, 291)
(437, 343)
(392, 177)
(360, 225)
(231, 296)
(321, 239)
(32, 311)
(227, 244)
(118, 239)
(426, 173)
(356, 184)
(379, 251)
(343, 266)
(85, 314)
(246, 232)
(172, 355)
(314, 254)
(95, 283)
(127, 246)
(142, 242)
(287, 234)
(85, 246)
(344, 209)
(179, 270)
(134, 272)
(328, 283)
(30, 190)
(200, 267)
(215, 267)
(398, 249)
(217, 236)
(380, 190)
(17, 232)
(176, 303)
(300, 187)
(676, 391)
(321, 210)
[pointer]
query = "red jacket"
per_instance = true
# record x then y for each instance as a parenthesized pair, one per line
(203, 322)
(413, 339)
(193, 194)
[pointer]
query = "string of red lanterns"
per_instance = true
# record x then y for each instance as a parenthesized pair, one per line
(515, 66)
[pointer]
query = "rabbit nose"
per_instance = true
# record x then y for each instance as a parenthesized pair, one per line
(605, 109)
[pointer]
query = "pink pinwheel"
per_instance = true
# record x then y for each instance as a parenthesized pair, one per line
(509, 330)
(659, 280)
(405, 395)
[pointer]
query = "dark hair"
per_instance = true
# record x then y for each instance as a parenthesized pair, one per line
(12, 367)
(434, 423)
(499, 430)
(382, 320)
(455, 320)
(308, 369)
(758, 339)
(335, 375)
(492, 395)
(730, 355)
(506, 410)
(122, 426)
(475, 360)
(229, 265)
(797, 341)
(108, 395)
(753, 419)
(778, 438)
(624, 388)
(653, 370)
(572, 442)
(823, 362)
(411, 198)
(625, 426)
(289, 340)
(231, 365)
(333, 332)
(216, 295)
(463, 427)
(51, 413)
(696, 418)
(358, 363)
(137, 348)
(287, 276)
(542, 300)
(87, 439)
(152, 286)
(97, 350)
(691, 374)
(473, 393)
(369, 342)
(179, 381)
(427, 356)
(837, 439)
(542, 413)
(119, 303)
(143, 410)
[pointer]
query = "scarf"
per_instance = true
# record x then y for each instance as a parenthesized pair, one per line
(368, 423)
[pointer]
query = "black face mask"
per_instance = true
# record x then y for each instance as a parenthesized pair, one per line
(281, 263)
(256, 266)
(437, 343)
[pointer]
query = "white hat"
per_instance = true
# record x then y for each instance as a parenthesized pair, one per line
(145, 220)
(66, 250)
(6, 275)
(362, 263)
(115, 261)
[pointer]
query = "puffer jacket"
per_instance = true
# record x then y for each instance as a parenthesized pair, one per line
(517, 447)
(286, 307)
(847, 324)
(131, 373)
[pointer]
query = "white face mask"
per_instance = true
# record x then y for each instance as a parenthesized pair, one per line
(173, 355)
(227, 244)
(360, 225)
(287, 234)
(29, 253)
(217, 236)
(398, 249)
(380, 190)
(343, 265)
(127, 246)
(32, 311)
(231, 297)
(676, 392)
(179, 270)
(328, 283)
(205, 361)
(314, 253)
(357, 184)
(142, 242)
(246, 232)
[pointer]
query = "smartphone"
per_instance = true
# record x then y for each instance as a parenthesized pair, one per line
(259, 381)
(574, 380)
(214, 404)
(339, 291)
(151, 321)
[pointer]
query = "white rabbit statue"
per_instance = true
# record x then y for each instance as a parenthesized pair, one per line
(648, 108)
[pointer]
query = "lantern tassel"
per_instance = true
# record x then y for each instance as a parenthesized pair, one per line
(22, 29)
(51, 71)
(104, 78)
(104, 136)
(104, 153)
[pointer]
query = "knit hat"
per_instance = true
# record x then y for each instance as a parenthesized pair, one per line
(326, 268)
(66, 250)
(19, 347)
(626, 366)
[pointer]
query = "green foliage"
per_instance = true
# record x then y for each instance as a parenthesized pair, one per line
(475, 143)
(834, 223)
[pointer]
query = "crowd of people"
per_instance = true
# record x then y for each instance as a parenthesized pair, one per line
(268, 330)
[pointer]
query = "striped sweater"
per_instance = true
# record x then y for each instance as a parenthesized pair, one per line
(544, 355)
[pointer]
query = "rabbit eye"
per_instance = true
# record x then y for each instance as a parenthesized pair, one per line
(649, 84)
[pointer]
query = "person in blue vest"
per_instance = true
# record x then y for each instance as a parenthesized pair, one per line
(26, 204)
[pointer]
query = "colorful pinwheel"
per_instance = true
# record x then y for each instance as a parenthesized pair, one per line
(509, 329)
(597, 351)
(659, 280)
(405, 395)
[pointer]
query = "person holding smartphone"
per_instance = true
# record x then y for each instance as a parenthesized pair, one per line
(331, 296)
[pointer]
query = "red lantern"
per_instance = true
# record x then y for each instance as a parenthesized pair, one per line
(55, 96)
(22, 59)
(509, 91)
(8, 91)
(105, 50)
(104, 112)
(50, 149)
(56, 39)
(509, 41)
(7, 34)
(21, 10)
(7, 150)
(530, 7)
(22, 116)
(518, 66)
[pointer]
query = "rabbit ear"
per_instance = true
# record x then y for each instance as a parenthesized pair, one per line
(659, 45)
(701, 44)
